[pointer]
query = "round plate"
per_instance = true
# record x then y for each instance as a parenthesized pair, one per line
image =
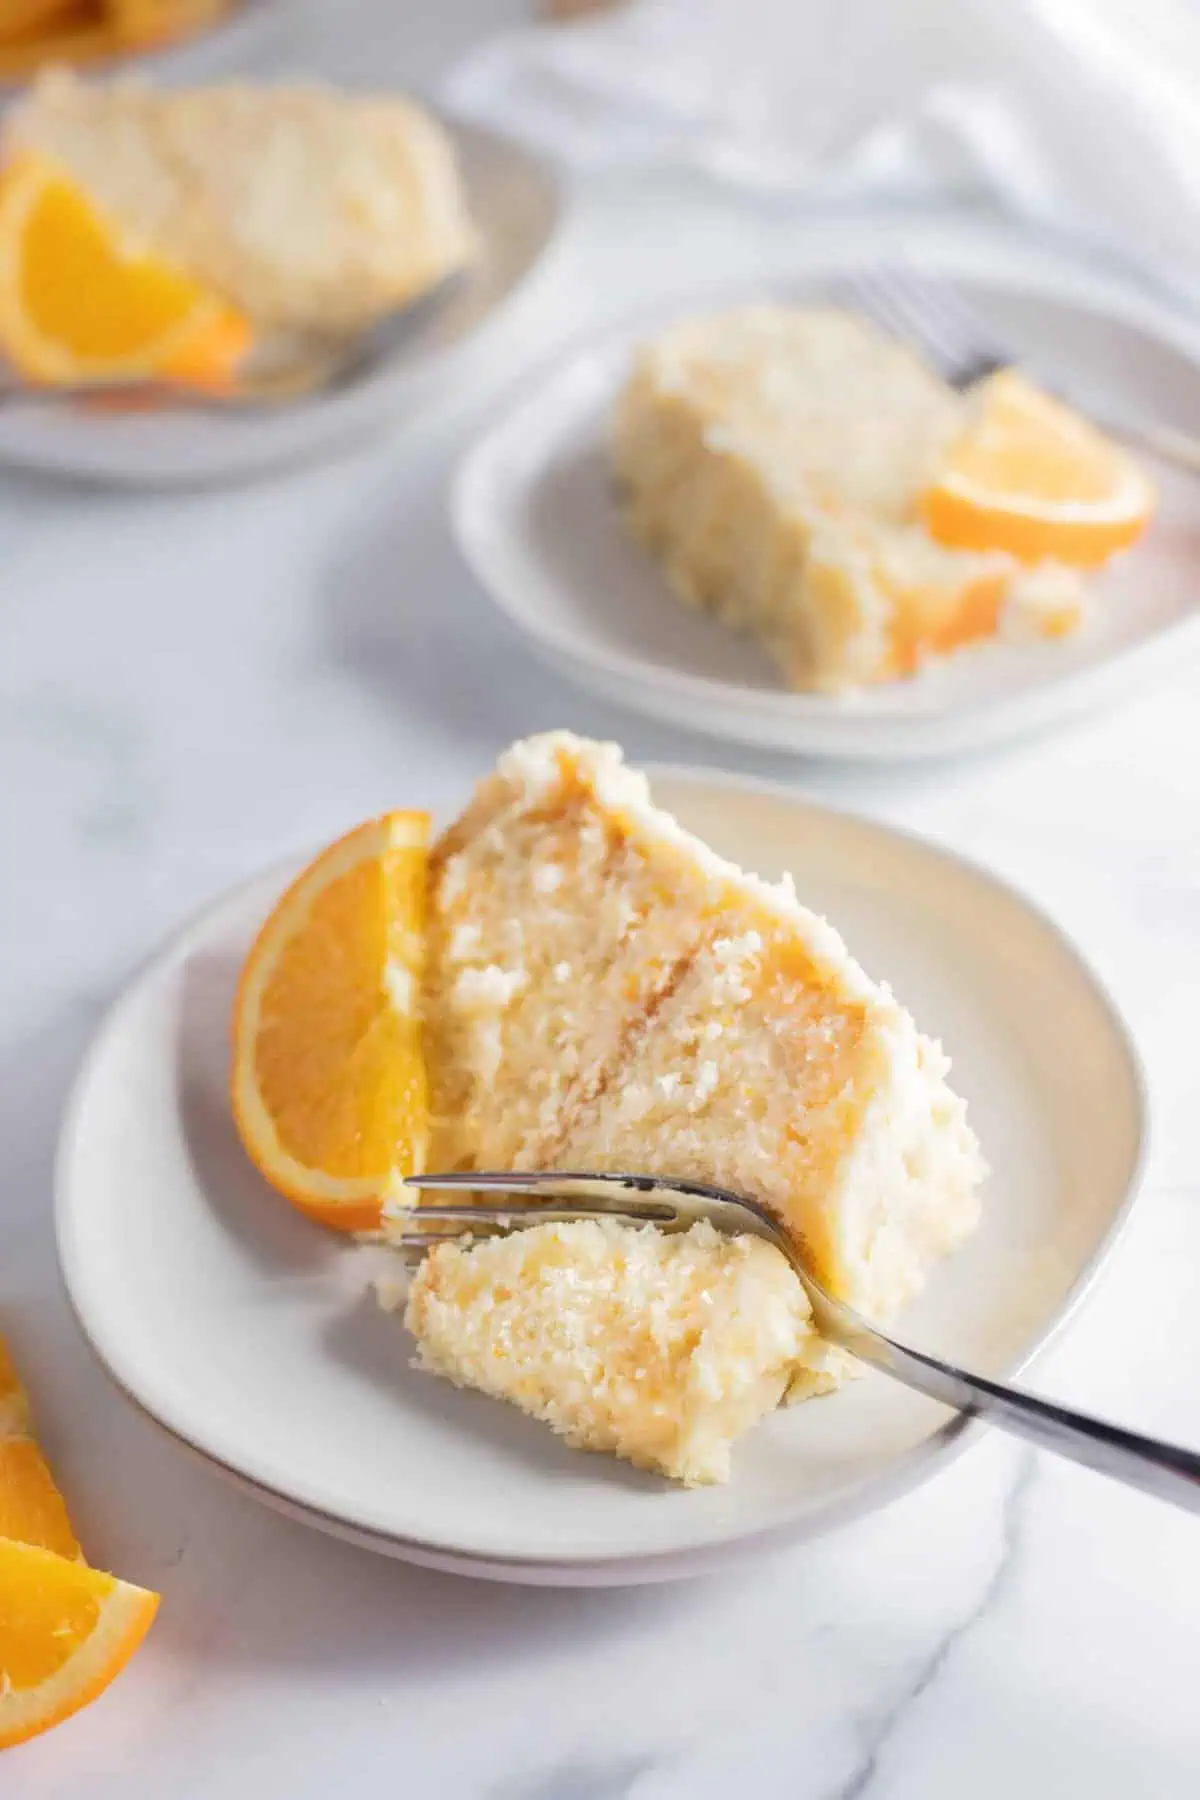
(251, 1334)
(515, 204)
(537, 519)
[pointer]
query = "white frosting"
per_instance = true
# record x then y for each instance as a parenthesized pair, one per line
(488, 989)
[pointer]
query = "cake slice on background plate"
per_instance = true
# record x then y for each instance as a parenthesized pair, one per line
(811, 481)
(131, 215)
(604, 991)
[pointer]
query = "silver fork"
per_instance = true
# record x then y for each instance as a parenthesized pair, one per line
(1167, 1471)
(312, 365)
(930, 314)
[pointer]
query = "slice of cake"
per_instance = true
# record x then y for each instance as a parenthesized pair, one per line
(603, 991)
(663, 1350)
(774, 460)
(307, 210)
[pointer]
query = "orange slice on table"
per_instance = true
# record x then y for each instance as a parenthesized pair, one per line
(79, 302)
(329, 1088)
(31, 1508)
(65, 1632)
(32, 1511)
(1032, 477)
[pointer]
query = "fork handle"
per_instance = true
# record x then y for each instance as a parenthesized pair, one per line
(1179, 447)
(1168, 1471)
(1182, 448)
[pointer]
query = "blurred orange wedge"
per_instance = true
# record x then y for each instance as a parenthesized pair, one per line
(79, 304)
(32, 1510)
(144, 22)
(329, 1088)
(65, 1632)
(1030, 476)
(14, 1402)
(28, 18)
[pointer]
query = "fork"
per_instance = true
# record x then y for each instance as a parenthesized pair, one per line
(930, 314)
(313, 364)
(1167, 1471)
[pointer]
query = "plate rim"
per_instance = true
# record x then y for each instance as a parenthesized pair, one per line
(797, 721)
(347, 420)
(900, 1477)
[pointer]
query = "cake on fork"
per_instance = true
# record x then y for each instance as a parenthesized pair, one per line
(605, 992)
(661, 1349)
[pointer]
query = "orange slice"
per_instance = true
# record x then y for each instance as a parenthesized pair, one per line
(77, 36)
(65, 1632)
(1030, 476)
(31, 1508)
(329, 1088)
(79, 304)
(140, 23)
(14, 1402)
(32, 1511)
(26, 18)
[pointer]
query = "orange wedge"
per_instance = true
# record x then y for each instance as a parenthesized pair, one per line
(65, 1629)
(31, 1508)
(329, 1088)
(79, 304)
(32, 1511)
(14, 1403)
(1030, 476)
(140, 23)
(77, 36)
(65, 1632)
(26, 18)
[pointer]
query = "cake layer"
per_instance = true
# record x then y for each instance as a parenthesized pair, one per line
(605, 991)
(663, 1350)
(554, 927)
(773, 459)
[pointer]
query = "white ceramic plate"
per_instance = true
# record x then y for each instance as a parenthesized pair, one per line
(248, 1332)
(537, 520)
(515, 203)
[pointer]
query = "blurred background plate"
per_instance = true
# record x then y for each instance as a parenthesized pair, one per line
(539, 524)
(515, 203)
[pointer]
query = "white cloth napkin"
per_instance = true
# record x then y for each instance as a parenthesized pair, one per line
(1083, 113)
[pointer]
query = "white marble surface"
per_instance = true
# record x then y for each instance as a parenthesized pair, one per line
(193, 685)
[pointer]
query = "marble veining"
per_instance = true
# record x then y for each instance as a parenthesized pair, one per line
(888, 1729)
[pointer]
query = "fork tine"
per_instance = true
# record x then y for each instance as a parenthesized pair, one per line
(540, 1212)
(891, 306)
(939, 301)
(868, 291)
(603, 1192)
(927, 312)
(509, 1225)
